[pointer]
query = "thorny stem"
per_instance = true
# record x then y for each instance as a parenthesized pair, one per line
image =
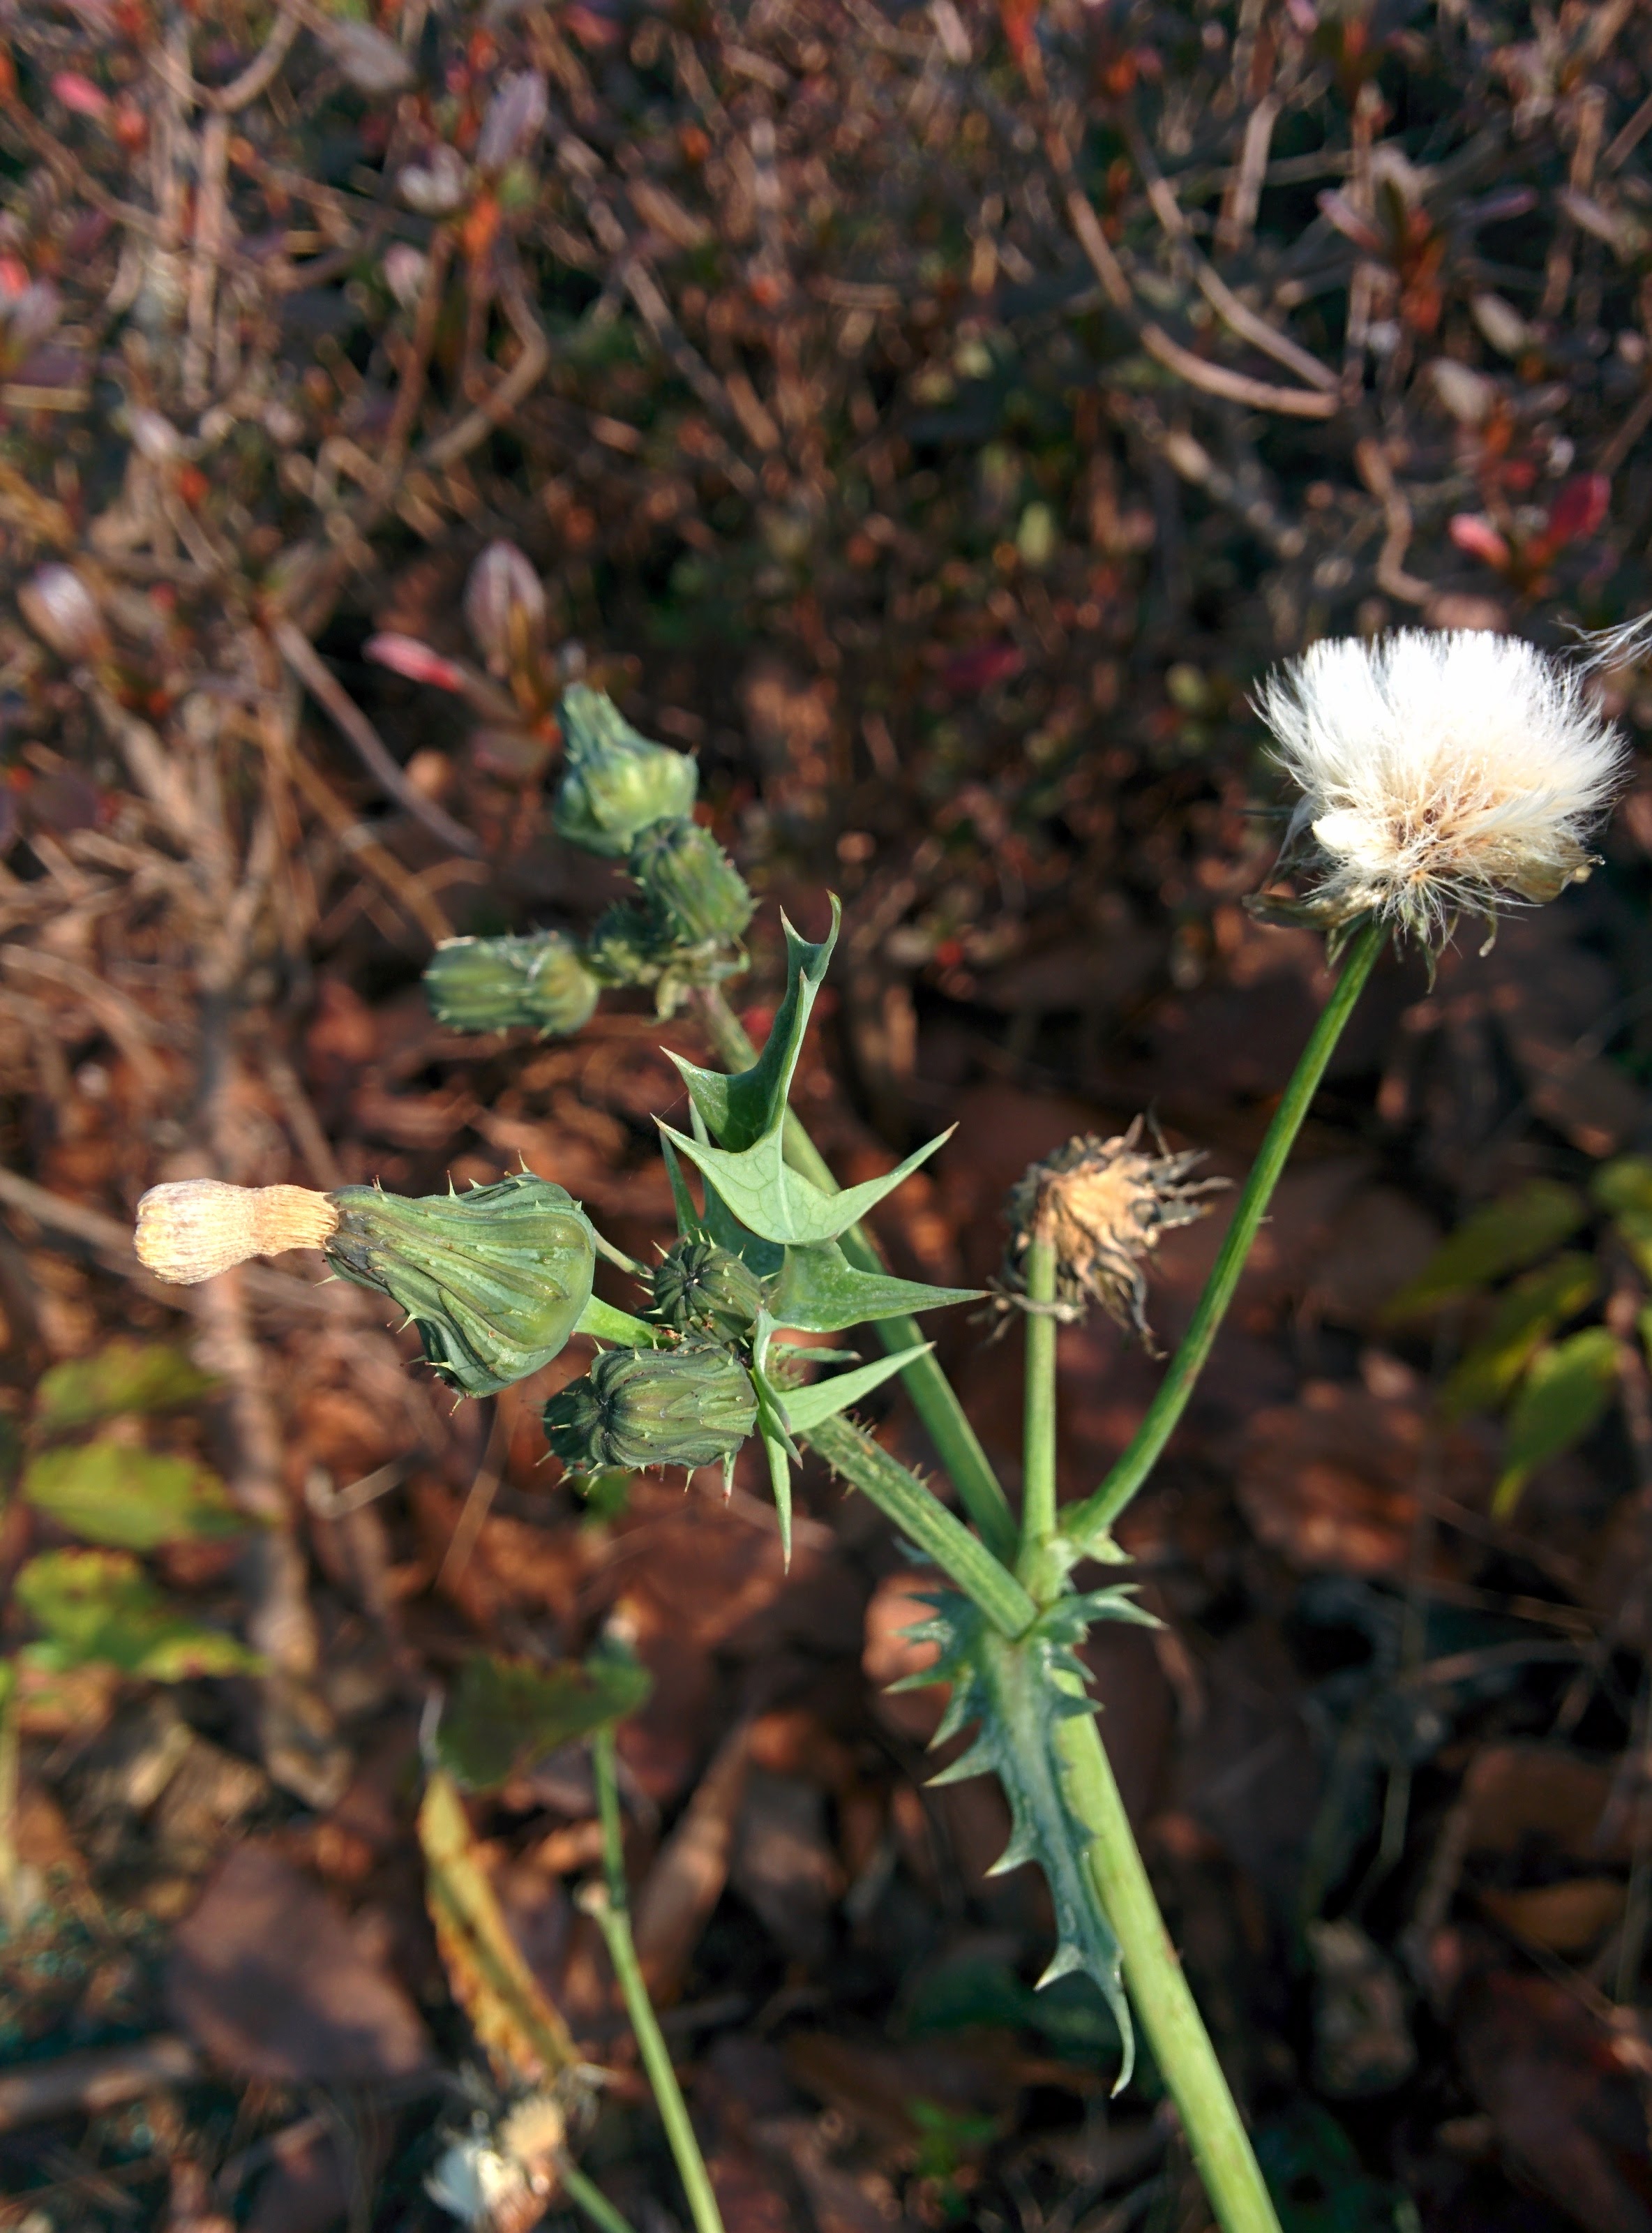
(1038, 1446)
(924, 1520)
(1118, 1878)
(957, 1444)
(1087, 1520)
(608, 1904)
(1221, 2148)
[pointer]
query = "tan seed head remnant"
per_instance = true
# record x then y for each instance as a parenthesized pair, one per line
(1102, 1206)
(190, 1230)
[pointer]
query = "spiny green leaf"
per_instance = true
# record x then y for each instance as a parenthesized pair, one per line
(1505, 1236)
(764, 1257)
(1016, 1695)
(819, 1291)
(825, 1399)
(741, 1109)
(122, 1375)
(682, 1203)
(776, 1451)
(774, 1430)
(132, 1498)
(1526, 1315)
(778, 1203)
(1561, 1397)
(502, 1714)
(98, 1608)
(604, 1322)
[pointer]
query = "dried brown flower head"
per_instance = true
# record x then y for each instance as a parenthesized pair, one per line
(190, 1229)
(1102, 1206)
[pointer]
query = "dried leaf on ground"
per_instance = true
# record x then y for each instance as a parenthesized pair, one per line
(271, 1980)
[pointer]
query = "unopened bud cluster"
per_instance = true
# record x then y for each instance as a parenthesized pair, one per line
(691, 1406)
(626, 800)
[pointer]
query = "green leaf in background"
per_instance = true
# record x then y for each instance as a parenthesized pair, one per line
(1526, 1315)
(1318, 2183)
(1506, 1236)
(1625, 1183)
(122, 1375)
(977, 1992)
(1564, 1393)
(133, 1500)
(1623, 1188)
(741, 1110)
(819, 1291)
(504, 1714)
(98, 1608)
(12, 1450)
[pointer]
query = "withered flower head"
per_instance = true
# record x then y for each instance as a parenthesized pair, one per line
(1101, 1204)
(190, 1230)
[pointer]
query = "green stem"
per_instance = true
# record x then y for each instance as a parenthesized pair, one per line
(1118, 1879)
(1086, 1521)
(1038, 1439)
(589, 2198)
(1169, 2014)
(957, 1445)
(608, 1904)
(922, 1517)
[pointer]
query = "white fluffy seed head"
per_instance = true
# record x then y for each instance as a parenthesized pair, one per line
(1440, 774)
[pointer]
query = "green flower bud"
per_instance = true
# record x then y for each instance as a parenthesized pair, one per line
(653, 1407)
(624, 946)
(693, 885)
(494, 1279)
(614, 782)
(493, 983)
(700, 1288)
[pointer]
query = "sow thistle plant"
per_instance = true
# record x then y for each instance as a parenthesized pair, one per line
(1439, 775)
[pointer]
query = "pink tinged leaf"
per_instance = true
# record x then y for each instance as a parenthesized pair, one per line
(62, 612)
(1337, 210)
(79, 95)
(515, 119)
(405, 654)
(981, 667)
(1472, 532)
(505, 605)
(1578, 510)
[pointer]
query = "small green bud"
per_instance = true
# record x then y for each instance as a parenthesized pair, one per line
(614, 782)
(653, 1407)
(495, 1280)
(700, 1288)
(494, 984)
(694, 888)
(625, 946)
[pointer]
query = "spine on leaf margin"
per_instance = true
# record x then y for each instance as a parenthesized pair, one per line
(1017, 1693)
